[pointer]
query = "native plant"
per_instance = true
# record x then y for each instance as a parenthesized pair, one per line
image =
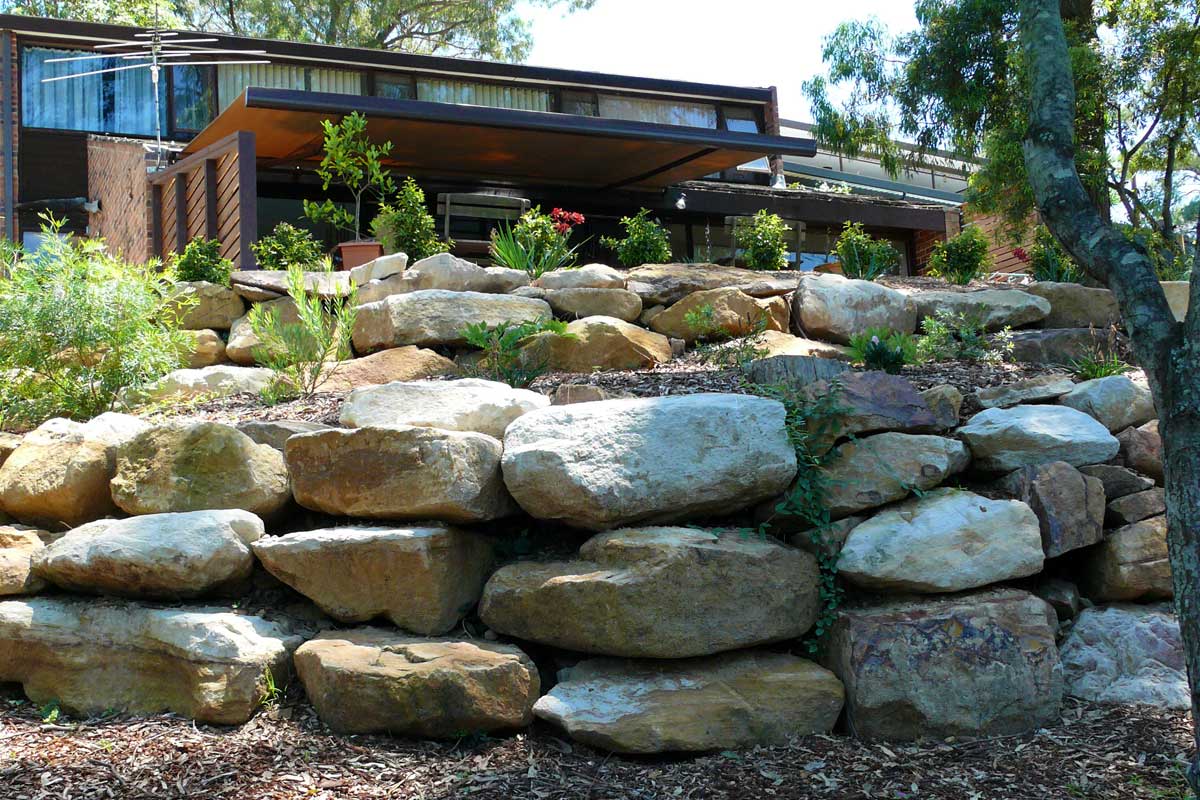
(961, 336)
(883, 349)
(646, 241)
(404, 225)
(863, 256)
(303, 354)
(961, 259)
(538, 243)
(287, 245)
(718, 347)
(201, 260)
(352, 161)
(1047, 260)
(504, 356)
(77, 325)
(762, 240)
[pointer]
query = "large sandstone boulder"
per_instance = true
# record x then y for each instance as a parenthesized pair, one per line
(168, 556)
(220, 380)
(1136, 507)
(778, 343)
(397, 364)
(669, 283)
(945, 541)
(8, 443)
(18, 545)
(995, 308)
(1075, 306)
(1118, 481)
(59, 474)
(244, 347)
(405, 473)
(578, 303)
(658, 593)
(444, 271)
(1004, 439)
(463, 405)
(193, 465)
(1132, 655)
(1029, 390)
(504, 280)
(1057, 345)
(1141, 448)
(206, 305)
(371, 680)
(1131, 564)
(868, 402)
(421, 579)
(836, 308)
(204, 348)
(886, 467)
(734, 312)
(94, 657)
(982, 664)
(734, 700)
(264, 282)
(276, 432)
(616, 462)
(589, 276)
(437, 317)
(1115, 401)
(945, 403)
(1069, 505)
(599, 343)
(796, 370)
(379, 268)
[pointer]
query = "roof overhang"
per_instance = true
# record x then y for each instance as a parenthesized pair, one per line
(496, 143)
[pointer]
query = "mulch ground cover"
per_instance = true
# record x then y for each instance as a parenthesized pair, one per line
(1115, 753)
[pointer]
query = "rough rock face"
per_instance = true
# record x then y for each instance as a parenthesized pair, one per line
(1136, 507)
(577, 303)
(778, 343)
(1029, 390)
(93, 656)
(18, 545)
(8, 443)
(733, 312)
(797, 370)
(945, 403)
(656, 592)
(589, 276)
(1063, 596)
(437, 317)
(167, 556)
(876, 401)
(996, 308)
(370, 680)
(505, 280)
(1004, 439)
(59, 475)
(946, 541)
(397, 364)
(886, 467)
(326, 285)
(611, 463)
(468, 404)
(1131, 564)
(1069, 505)
(205, 348)
(1056, 345)
(732, 700)
(405, 473)
(276, 432)
(214, 306)
(1115, 401)
(244, 346)
(1141, 448)
(1076, 306)
(422, 579)
(982, 664)
(600, 343)
(835, 308)
(379, 268)
(220, 380)
(669, 283)
(1127, 654)
(193, 465)
(1118, 481)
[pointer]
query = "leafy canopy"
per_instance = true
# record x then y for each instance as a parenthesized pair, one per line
(353, 161)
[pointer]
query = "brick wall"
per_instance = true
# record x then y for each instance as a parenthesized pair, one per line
(924, 241)
(1002, 244)
(117, 179)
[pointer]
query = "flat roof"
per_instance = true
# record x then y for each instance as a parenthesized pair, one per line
(484, 142)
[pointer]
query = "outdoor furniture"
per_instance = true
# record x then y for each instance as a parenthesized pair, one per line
(486, 209)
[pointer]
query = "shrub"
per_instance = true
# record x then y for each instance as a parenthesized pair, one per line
(405, 225)
(645, 242)
(1098, 365)
(285, 246)
(302, 353)
(201, 260)
(737, 351)
(883, 349)
(79, 325)
(538, 243)
(1048, 261)
(961, 336)
(863, 256)
(762, 239)
(503, 358)
(962, 259)
(353, 161)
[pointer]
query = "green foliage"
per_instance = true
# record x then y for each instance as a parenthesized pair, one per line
(883, 349)
(302, 353)
(762, 240)
(862, 255)
(77, 326)
(50, 712)
(962, 259)
(404, 225)
(1049, 262)
(720, 349)
(645, 242)
(961, 336)
(1098, 365)
(536, 244)
(142, 13)
(353, 161)
(201, 260)
(285, 246)
(269, 693)
(503, 358)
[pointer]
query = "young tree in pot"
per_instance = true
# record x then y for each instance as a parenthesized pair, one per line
(353, 161)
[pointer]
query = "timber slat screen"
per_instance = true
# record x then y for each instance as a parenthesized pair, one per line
(212, 194)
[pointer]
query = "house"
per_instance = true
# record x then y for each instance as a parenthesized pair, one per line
(241, 142)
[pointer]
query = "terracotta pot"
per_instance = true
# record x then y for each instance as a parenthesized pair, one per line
(355, 254)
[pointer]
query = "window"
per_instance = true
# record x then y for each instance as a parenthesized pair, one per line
(582, 104)
(741, 120)
(233, 79)
(116, 102)
(395, 87)
(193, 97)
(482, 94)
(663, 112)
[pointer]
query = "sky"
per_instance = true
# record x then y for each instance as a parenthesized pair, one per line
(737, 42)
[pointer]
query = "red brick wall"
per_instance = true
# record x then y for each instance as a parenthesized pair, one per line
(924, 241)
(1002, 245)
(117, 179)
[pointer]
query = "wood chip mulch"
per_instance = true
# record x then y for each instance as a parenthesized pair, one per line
(1095, 752)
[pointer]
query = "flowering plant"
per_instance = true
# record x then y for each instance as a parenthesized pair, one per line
(564, 221)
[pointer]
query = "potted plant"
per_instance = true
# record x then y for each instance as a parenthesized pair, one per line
(353, 161)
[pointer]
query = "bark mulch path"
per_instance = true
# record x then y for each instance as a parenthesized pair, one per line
(1096, 752)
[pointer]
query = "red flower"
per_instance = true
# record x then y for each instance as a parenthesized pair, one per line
(1020, 253)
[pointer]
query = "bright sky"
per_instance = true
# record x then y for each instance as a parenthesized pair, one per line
(742, 43)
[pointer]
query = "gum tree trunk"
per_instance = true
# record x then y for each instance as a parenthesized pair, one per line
(1168, 350)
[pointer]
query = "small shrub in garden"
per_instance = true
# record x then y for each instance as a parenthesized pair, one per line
(301, 353)
(961, 336)
(353, 161)
(404, 225)
(285, 246)
(883, 349)
(201, 260)
(1048, 261)
(538, 243)
(762, 240)
(645, 241)
(1102, 360)
(863, 256)
(715, 350)
(502, 358)
(962, 259)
